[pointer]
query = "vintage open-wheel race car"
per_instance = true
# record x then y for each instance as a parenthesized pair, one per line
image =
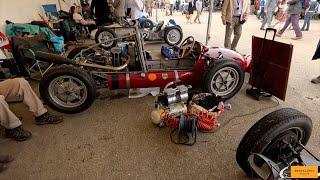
(70, 86)
(169, 32)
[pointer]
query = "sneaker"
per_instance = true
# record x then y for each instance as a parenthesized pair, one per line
(316, 80)
(296, 38)
(262, 28)
(3, 167)
(18, 134)
(47, 118)
(6, 158)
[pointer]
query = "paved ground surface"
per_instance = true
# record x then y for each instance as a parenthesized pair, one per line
(116, 140)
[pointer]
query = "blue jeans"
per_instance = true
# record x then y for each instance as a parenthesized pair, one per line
(307, 19)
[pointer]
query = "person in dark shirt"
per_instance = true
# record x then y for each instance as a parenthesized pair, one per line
(102, 11)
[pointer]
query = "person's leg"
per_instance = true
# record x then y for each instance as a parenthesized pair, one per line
(288, 21)
(264, 22)
(227, 38)
(19, 89)
(295, 25)
(269, 18)
(310, 15)
(237, 34)
(304, 22)
(7, 118)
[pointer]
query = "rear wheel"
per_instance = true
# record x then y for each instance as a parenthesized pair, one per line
(104, 34)
(269, 135)
(67, 89)
(173, 35)
(224, 79)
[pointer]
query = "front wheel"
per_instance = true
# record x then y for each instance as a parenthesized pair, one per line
(67, 89)
(271, 134)
(173, 35)
(104, 34)
(224, 79)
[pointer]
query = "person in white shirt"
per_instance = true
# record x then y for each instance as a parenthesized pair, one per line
(136, 9)
(76, 16)
(199, 10)
(172, 2)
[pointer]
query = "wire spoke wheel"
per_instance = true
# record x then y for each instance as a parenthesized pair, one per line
(173, 36)
(68, 91)
(105, 36)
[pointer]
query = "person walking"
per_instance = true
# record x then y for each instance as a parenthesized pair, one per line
(172, 2)
(262, 14)
(315, 57)
(102, 11)
(269, 10)
(309, 13)
(199, 10)
(149, 6)
(282, 13)
(294, 11)
(234, 14)
(119, 10)
(190, 12)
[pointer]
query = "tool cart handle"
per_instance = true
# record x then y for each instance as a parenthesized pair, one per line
(270, 29)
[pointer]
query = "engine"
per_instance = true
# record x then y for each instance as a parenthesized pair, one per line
(172, 102)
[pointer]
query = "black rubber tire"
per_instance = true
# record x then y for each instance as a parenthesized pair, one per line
(266, 129)
(103, 29)
(71, 71)
(167, 30)
(219, 65)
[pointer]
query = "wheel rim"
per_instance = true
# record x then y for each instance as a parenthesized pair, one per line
(68, 91)
(173, 36)
(225, 81)
(105, 36)
(293, 136)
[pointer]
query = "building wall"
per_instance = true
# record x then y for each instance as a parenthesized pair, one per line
(24, 11)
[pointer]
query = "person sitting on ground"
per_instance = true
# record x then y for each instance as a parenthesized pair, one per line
(18, 89)
(4, 160)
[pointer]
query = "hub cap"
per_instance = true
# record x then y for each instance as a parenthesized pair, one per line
(105, 36)
(224, 81)
(68, 91)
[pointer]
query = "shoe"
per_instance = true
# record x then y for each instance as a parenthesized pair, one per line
(296, 38)
(316, 80)
(302, 29)
(262, 28)
(18, 134)
(6, 158)
(307, 29)
(47, 118)
(3, 167)
(278, 34)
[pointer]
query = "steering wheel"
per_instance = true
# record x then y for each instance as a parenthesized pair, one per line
(186, 47)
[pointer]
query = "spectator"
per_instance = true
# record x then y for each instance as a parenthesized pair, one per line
(128, 7)
(172, 2)
(4, 160)
(309, 13)
(282, 13)
(269, 10)
(190, 11)
(199, 9)
(119, 11)
(76, 16)
(167, 7)
(136, 9)
(262, 14)
(294, 11)
(149, 6)
(102, 11)
(234, 15)
(178, 2)
(19, 89)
